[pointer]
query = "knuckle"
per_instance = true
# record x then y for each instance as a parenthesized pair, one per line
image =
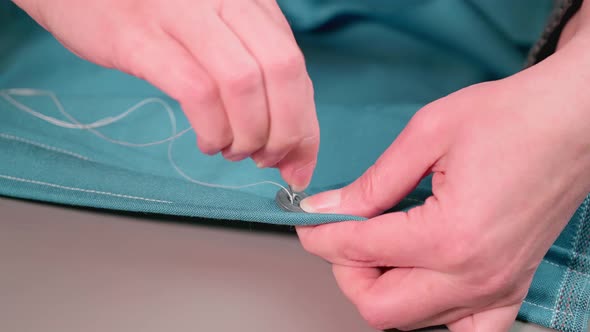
(281, 145)
(290, 141)
(201, 90)
(373, 315)
(308, 245)
(249, 144)
(214, 144)
(129, 50)
(290, 65)
(297, 132)
(427, 121)
(243, 81)
(224, 138)
(212, 140)
(207, 148)
(368, 189)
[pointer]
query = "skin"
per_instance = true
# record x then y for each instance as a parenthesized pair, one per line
(511, 163)
(510, 158)
(233, 66)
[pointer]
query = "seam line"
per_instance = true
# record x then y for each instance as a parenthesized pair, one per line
(12, 178)
(547, 308)
(43, 146)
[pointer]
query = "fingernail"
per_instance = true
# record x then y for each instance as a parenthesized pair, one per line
(297, 188)
(321, 203)
(306, 205)
(301, 177)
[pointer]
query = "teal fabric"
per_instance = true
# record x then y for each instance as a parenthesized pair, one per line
(373, 63)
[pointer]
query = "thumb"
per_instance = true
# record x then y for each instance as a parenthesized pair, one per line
(393, 176)
(498, 319)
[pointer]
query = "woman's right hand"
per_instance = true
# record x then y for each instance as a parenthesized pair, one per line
(234, 66)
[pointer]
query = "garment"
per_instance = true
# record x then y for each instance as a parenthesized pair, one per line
(373, 66)
(563, 11)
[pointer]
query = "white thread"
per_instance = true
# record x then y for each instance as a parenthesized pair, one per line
(91, 127)
(584, 306)
(7, 95)
(567, 268)
(12, 178)
(551, 263)
(574, 245)
(43, 146)
(547, 308)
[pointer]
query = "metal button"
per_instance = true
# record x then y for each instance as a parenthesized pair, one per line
(284, 201)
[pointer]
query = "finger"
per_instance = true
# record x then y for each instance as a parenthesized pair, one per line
(399, 239)
(236, 73)
(498, 319)
(298, 166)
(398, 298)
(409, 158)
(463, 319)
(185, 80)
(293, 123)
(380, 296)
(272, 8)
(355, 281)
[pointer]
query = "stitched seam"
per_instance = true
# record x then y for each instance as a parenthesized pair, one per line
(547, 308)
(575, 256)
(584, 306)
(587, 305)
(566, 275)
(574, 244)
(12, 178)
(43, 146)
(561, 266)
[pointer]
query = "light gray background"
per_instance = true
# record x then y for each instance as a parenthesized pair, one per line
(72, 270)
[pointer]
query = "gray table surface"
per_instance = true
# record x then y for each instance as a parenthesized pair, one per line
(69, 270)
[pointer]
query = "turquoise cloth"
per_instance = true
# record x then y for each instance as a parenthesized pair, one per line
(373, 64)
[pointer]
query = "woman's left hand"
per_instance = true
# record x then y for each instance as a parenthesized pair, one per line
(511, 164)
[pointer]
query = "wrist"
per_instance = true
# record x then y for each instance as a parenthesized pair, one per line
(558, 85)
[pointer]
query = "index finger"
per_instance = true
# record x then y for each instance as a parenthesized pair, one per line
(294, 129)
(401, 297)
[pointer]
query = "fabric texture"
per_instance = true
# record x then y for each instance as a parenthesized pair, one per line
(373, 65)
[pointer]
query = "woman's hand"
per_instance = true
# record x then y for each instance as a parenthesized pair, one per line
(234, 66)
(511, 164)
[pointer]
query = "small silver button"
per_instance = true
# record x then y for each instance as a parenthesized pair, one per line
(284, 201)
